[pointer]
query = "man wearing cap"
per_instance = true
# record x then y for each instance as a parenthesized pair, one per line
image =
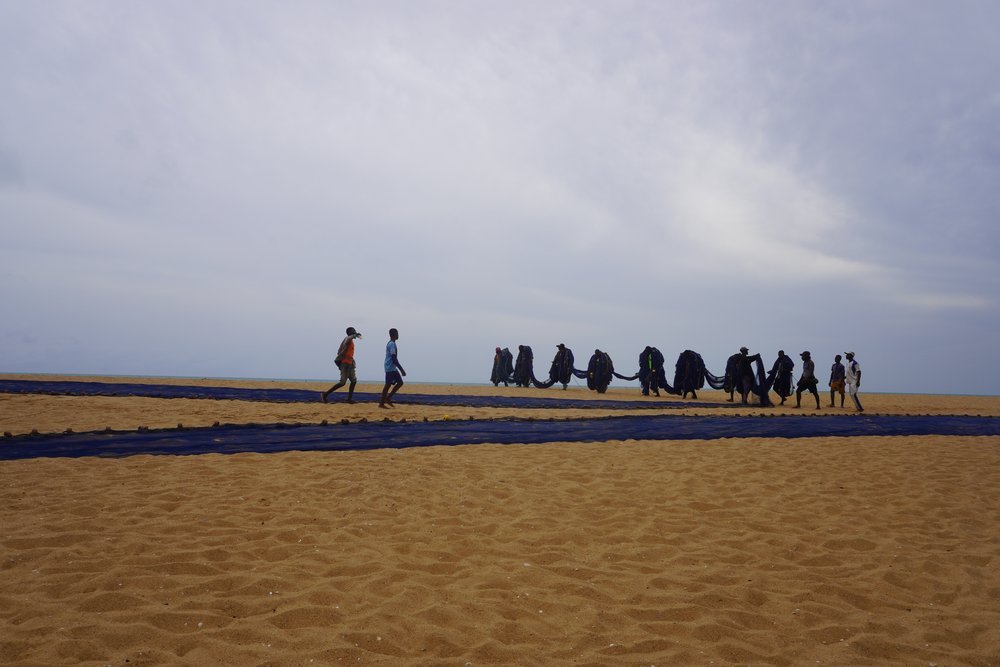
(807, 381)
(345, 362)
(853, 378)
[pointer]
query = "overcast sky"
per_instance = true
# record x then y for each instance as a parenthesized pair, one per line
(221, 188)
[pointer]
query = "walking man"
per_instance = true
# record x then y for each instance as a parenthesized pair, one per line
(393, 371)
(729, 383)
(562, 366)
(689, 374)
(503, 367)
(600, 371)
(807, 381)
(782, 373)
(345, 362)
(647, 378)
(853, 377)
(837, 374)
(744, 373)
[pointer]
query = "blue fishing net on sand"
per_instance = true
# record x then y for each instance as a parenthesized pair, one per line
(278, 395)
(233, 439)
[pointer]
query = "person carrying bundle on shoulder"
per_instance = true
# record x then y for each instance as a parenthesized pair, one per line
(744, 373)
(561, 370)
(782, 373)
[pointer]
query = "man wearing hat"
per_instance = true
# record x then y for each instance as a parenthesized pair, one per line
(853, 377)
(807, 381)
(345, 362)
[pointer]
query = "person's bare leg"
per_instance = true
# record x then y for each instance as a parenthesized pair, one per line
(385, 394)
(332, 389)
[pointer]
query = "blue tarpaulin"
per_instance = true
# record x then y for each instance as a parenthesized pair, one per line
(232, 439)
(278, 395)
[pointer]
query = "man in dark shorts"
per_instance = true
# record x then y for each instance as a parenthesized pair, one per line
(345, 362)
(393, 371)
(807, 381)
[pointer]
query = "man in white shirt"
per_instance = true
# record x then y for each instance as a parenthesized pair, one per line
(853, 377)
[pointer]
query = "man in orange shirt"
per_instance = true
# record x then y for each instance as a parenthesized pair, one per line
(345, 362)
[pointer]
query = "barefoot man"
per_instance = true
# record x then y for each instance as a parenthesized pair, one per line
(345, 362)
(393, 371)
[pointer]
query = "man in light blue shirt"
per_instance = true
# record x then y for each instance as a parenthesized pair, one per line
(393, 372)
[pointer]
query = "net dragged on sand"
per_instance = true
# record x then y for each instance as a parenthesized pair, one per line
(278, 395)
(233, 439)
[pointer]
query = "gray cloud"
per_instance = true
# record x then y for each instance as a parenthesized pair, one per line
(222, 189)
(11, 172)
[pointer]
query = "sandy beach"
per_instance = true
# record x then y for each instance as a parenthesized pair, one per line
(833, 551)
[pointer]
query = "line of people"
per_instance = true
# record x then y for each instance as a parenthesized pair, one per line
(744, 373)
(739, 374)
(691, 373)
(599, 373)
(521, 372)
(600, 370)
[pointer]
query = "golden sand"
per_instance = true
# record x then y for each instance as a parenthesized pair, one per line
(844, 551)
